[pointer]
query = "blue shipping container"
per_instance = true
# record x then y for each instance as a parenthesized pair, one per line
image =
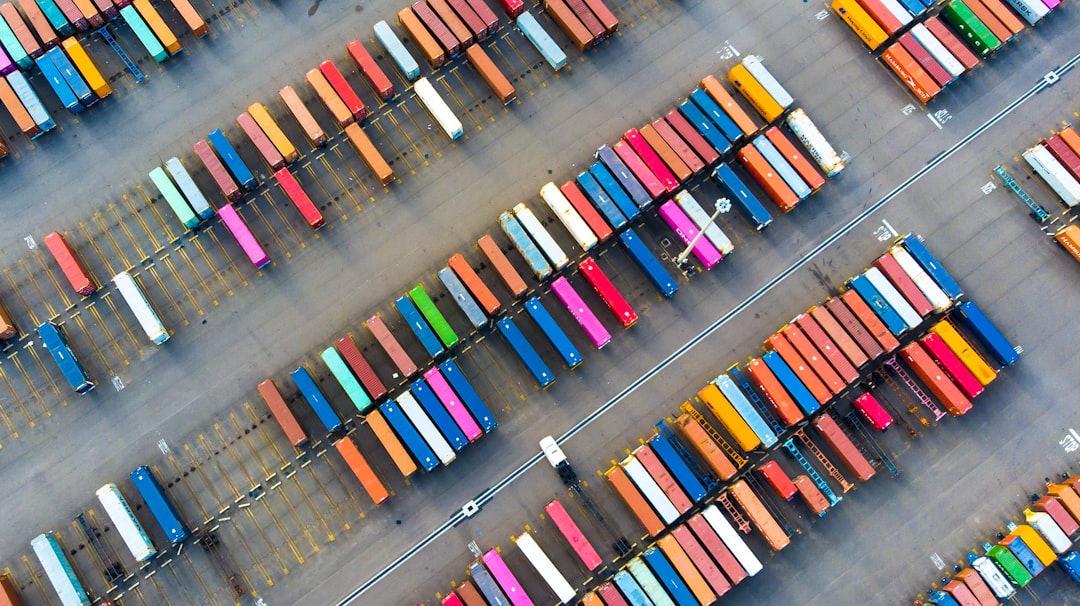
(631, 590)
(468, 395)
(72, 77)
(802, 396)
(403, 427)
(615, 191)
(719, 117)
(742, 196)
(536, 34)
(873, 298)
(159, 503)
(59, 85)
(232, 160)
(532, 360)
(405, 61)
(782, 167)
(745, 409)
(316, 399)
(487, 585)
(649, 264)
(56, 343)
(601, 200)
(626, 178)
(705, 126)
(438, 413)
(419, 326)
(678, 467)
(562, 344)
(975, 322)
(673, 583)
(916, 248)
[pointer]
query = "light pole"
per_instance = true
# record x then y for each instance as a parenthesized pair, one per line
(722, 206)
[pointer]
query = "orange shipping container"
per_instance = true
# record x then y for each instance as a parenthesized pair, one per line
(88, 10)
(157, 24)
(570, 24)
(314, 132)
(15, 107)
(428, 46)
(285, 418)
(731, 107)
(782, 404)
(1069, 239)
(1068, 498)
(452, 21)
(491, 74)
(633, 499)
(813, 358)
(913, 76)
(828, 349)
(191, 17)
(506, 270)
(686, 569)
(811, 495)
(705, 446)
(931, 374)
(839, 336)
(666, 153)
(7, 327)
(869, 319)
(759, 516)
(21, 30)
(8, 595)
(476, 286)
(468, 594)
(672, 138)
(360, 468)
(371, 156)
(39, 22)
(996, 27)
(390, 443)
(333, 102)
(1006, 16)
(763, 173)
(982, 592)
(843, 447)
(696, 552)
(1069, 136)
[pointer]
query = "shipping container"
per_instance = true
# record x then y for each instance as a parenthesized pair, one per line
(524, 244)
(1063, 153)
(634, 500)
(390, 443)
(588, 19)
(705, 127)
(799, 366)
(791, 383)
(676, 166)
(419, 326)
(1054, 173)
(741, 196)
(581, 205)
(239, 230)
(974, 322)
(861, 22)
(531, 28)
(70, 264)
(18, 112)
(472, 20)
(303, 116)
(738, 400)
(159, 503)
(554, 333)
(842, 445)
(403, 427)
(649, 264)
(819, 147)
(925, 60)
(689, 575)
(889, 14)
(476, 286)
(300, 199)
(955, 47)
(57, 567)
(607, 292)
(173, 198)
(573, 535)
(683, 227)
(651, 489)
(854, 327)
(778, 480)
(360, 468)
(937, 50)
(943, 389)
(1016, 572)
(380, 168)
(217, 170)
(604, 14)
(978, 36)
(611, 186)
(993, 577)
(397, 51)
(343, 89)
(510, 277)
(427, 43)
(157, 25)
(273, 132)
(22, 32)
(191, 191)
(540, 235)
(648, 583)
(191, 17)
(455, 404)
(971, 359)
(1068, 497)
(910, 72)
(426, 427)
(469, 594)
(814, 358)
(371, 70)
(716, 115)
(57, 17)
(759, 516)
(13, 48)
(829, 350)
(689, 204)
(654, 465)
(391, 346)
(990, 20)
(695, 551)
(525, 352)
(692, 137)
(586, 319)
(439, 31)
(568, 216)
(462, 297)
(885, 301)
(977, 586)
(915, 246)
(545, 567)
(356, 394)
(571, 25)
(778, 398)
(316, 399)
(1031, 10)
(8, 595)
(137, 302)
(486, 584)
(811, 495)
(736, 425)
(666, 132)
(800, 164)
(755, 93)
(434, 409)
(340, 112)
(1054, 507)
(262, 143)
(437, 107)
(839, 337)
(40, 24)
(633, 174)
(450, 19)
(492, 75)
(871, 410)
(705, 446)
(486, 14)
(1048, 529)
(232, 160)
(1019, 548)
(720, 553)
(1038, 546)
(600, 200)
(951, 364)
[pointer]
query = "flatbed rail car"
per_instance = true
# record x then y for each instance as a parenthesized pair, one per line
(345, 379)
(439, 415)
(58, 570)
(480, 291)
(842, 445)
(469, 397)
(360, 468)
(300, 199)
(188, 187)
(525, 352)
(586, 319)
(173, 198)
(397, 51)
(510, 277)
(975, 322)
(391, 443)
(160, 504)
(452, 403)
(741, 195)
(541, 236)
(634, 500)
(316, 399)
(125, 522)
(404, 428)
(374, 74)
(573, 535)
(232, 160)
(608, 293)
(284, 417)
(648, 264)
(72, 268)
(56, 343)
(239, 230)
(139, 305)
(492, 75)
(540, 39)
(554, 333)
(225, 182)
(761, 518)
(943, 389)
(545, 567)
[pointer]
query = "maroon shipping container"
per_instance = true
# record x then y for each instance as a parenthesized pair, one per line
(393, 349)
(107, 8)
(814, 358)
(471, 19)
(687, 155)
(701, 560)
(842, 446)
(870, 321)
(452, 21)
(359, 365)
(903, 283)
(828, 349)
(606, 17)
(1064, 154)
(588, 19)
(923, 58)
(262, 143)
(953, 44)
(839, 336)
(488, 16)
(437, 28)
(73, 14)
(700, 146)
(217, 170)
(1062, 517)
(854, 327)
(723, 556)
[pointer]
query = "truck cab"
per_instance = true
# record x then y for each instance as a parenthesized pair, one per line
(558, 460)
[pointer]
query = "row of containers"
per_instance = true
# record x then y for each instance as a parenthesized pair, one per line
(425, 425)
(43, 35)
(234, 177)
(929, 47)
(441, 29)
(1056, 160)
(1052, 522)
(905, 307)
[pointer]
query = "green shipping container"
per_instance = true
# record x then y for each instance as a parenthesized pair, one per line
(975, 32)
(434, 317)
(1009, 565)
